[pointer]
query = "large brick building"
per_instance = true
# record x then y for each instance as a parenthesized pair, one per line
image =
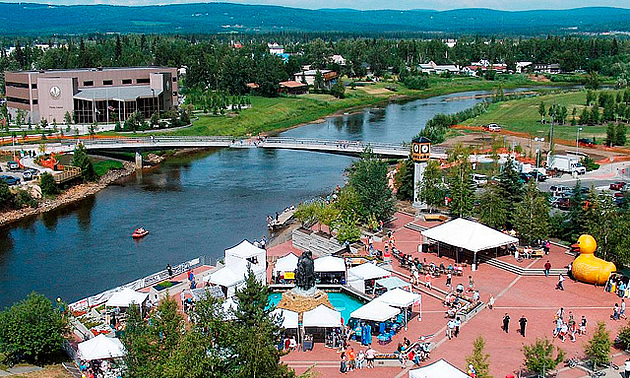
(91, 94)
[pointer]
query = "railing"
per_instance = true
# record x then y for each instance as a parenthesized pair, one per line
(69, 173)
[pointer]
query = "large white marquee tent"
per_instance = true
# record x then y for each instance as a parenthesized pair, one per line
(322, 317)
(287, 263)
(126, 297)
(233, 276)
(246, 251)
(359, 274)
(376, 311)
(438, 369)
(329, 264)
(101, 347)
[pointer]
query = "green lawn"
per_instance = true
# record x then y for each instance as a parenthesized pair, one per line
(522, 116)
(103, 166)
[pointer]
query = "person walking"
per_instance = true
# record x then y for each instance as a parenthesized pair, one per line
(491, 302)
(622, 311)
(560, 285)
(169, 270)
(427, 281)
(449, 279)
(471, 283)
(522, 322)
(547, 268)
(506, 322)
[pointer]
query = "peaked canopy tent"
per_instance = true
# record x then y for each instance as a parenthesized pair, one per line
(330, 269)
(286, 264)
(233, 276)
(246, 251)
(358, 275)
(126, 297)
(101, 347)
(391, 283)
(322, 317)
(401, 299)
(438, 369)
(290, 318)
(468, 235)
(376, 311)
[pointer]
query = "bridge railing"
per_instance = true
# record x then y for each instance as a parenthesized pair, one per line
(334, 143)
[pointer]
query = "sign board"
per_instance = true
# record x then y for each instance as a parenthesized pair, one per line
(289, 275)
(420, 149)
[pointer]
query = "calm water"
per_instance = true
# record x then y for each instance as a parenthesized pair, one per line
(342, 302)
(197, 205)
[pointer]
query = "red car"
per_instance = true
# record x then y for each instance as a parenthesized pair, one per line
(617, 185)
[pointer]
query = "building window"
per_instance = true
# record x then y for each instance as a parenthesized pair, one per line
(88, 83)
(16, 85)
(108, 82)
(174, 80)
(174, 94)
(34, 86)
(143, 81)
(35, 101)
(19, 100)
(127, 81)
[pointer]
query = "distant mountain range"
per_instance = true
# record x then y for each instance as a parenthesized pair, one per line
(41, 19)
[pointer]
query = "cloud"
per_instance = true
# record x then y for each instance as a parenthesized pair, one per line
(373, 4)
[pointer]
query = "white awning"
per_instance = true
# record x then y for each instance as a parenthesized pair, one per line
(367, 271)
(468, 235)
(233, 275)
(438, 369)
(329, 264)
(322, 317)
(287, 263)
(101, 347)
(290, 318)
(126, 297)
(376, 311)
(244, 250)
(391, 283)
(399, 298)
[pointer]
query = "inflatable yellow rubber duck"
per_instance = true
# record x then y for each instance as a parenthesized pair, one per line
(588, 268)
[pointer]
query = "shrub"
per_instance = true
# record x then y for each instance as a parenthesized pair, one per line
(48, 185)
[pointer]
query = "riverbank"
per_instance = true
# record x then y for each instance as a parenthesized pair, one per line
(69, 196)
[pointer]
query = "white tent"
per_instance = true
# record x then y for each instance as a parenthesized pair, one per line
(245, 251)
(322, 317)
(233, 276)
(438, 369)
(101, 347)
(358, 274)
(391, 283)
(469, 235)
(290, 318)
(329, 264)
(376, 311)
(287, 263)
(126, 297)
(399, 298)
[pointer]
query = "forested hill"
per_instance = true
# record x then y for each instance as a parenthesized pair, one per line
(40, 19)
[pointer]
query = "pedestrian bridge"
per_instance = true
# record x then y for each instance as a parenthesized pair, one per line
(174, 142)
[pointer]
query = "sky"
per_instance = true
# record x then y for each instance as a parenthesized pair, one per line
(510, 5)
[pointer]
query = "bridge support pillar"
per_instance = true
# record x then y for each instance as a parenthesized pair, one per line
(138, 160)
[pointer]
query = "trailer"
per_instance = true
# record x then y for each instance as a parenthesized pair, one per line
(565, 163)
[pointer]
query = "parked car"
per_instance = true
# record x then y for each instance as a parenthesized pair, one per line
(27, 175)
(585, 142)
(559, 189)
(553, 200)
(541, 177)
(564, 203)
(493, 127)
(479, 179)
(618, 185)
(10, 180)
(13, 165)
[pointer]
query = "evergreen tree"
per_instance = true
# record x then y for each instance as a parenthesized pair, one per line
(460, 183)
(318, 84)
(492, 210)
(7, 198)
(598, 348)
(338, 90)
(403, 180)
(595, 116)
(590, 96)
(620, 135)
(82, 160)
(531, 215)
(511, 187)
(479, 359)
(576, 217)
(585, 116)
(368, 176)
(48, 185)
(431, 189)
(573, 115)
(542, 112)
(610, 135)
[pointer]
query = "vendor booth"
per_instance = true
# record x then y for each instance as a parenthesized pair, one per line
(289, 318)
(126, 297)
(362, 277)
(438, 369)
(231, 277)
(284, 270)
(319, 321)
(390, 283)
(330, 269)
(378, 316)
(248, 252)
(459, 235)
(101, 347)
(401, 299)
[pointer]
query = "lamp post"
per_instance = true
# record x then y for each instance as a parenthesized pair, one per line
(577, 143)
(538, 150)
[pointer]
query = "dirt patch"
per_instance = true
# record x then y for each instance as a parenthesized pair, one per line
(52, 371)
(539, 78)
(376, 91)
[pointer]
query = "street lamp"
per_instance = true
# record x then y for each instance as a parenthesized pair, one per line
(539, 140)
(577, 143)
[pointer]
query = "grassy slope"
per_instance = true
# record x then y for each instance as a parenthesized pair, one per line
(522, 116)
(268, 114)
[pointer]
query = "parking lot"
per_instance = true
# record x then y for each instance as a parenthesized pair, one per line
(14, 175)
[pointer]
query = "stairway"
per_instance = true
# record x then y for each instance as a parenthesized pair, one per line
(517, 269)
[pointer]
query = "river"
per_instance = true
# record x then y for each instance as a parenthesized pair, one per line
(194, 205)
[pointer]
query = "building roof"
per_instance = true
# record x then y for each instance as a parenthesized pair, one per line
(130, 93)
(100, 69)
(312, 72)
(468, 235)
(292, 84)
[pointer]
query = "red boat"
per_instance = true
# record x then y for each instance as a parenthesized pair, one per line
(139, 233)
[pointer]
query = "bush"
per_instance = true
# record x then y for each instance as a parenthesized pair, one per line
(416, 82)
(589, 163)
(24, 199)
(48, 185)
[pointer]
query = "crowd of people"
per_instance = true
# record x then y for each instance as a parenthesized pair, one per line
(565, 325)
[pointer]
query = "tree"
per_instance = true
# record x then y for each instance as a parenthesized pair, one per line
(33, 330)
(620, 135)
(492, 210)
(82, 160)
(542, 111)
(460, 183)
(590, 96)
(531, 215)
(539, 356)
(348, 230)
(338, 90)
(610, 135)
(306, 213)
(67, 119)
(431, 189)
(403, 180)
(511, 187)
(48, 185)
(327, 214)
(573, 115)
(318, 83)
(368, 176)
(7, 198)
(479, 359)
(598, 347)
